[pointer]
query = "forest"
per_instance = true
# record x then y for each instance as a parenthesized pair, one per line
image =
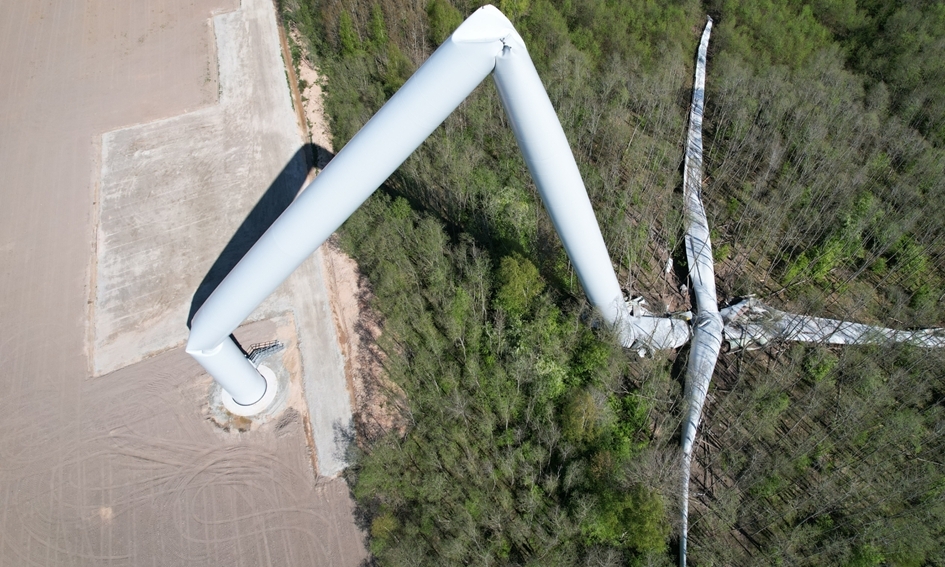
(531, 437)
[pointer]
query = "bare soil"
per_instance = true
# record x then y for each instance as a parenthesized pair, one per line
(126, 468)
(378, 402)
(313, 103)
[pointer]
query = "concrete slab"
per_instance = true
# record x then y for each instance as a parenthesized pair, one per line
(326, 391)
(175, 191)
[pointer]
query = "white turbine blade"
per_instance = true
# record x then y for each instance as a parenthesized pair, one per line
(703, 354)
(707, 324)
(752, 323)
(698, 243)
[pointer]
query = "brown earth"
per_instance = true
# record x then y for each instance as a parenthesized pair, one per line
(378, 402)
(313, 101)
(125, 468)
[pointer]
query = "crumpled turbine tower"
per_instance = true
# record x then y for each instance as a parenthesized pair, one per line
(486, 43)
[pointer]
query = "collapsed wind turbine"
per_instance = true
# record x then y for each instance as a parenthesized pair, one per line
(487, 44)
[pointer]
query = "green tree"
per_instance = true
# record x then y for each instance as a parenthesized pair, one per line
(444, 19)
(519, 284)
(377, 31)
(579, 420)
(347, 35)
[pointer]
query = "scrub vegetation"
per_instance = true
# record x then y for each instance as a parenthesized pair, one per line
(532, 437)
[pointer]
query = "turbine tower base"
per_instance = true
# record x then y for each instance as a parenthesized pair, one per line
(272, 387)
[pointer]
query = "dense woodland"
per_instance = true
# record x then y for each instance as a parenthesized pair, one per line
(531, 437)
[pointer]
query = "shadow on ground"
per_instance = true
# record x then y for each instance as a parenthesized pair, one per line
(274, 201)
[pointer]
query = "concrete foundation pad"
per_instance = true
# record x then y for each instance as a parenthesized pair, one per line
(272, 386)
